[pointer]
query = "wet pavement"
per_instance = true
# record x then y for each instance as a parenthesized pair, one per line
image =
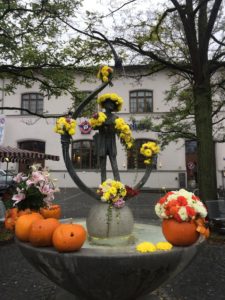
(203, 279)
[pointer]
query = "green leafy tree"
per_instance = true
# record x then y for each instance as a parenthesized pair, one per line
(38, 45)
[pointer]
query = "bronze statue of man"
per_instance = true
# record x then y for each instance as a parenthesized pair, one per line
(105, 140)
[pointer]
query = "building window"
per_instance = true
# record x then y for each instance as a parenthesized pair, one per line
(33, 102)
(141, 101)
(134, 158)
(83, 154)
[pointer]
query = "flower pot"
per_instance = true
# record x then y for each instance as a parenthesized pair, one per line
(107, 225)
(54, 211)
(180, 233)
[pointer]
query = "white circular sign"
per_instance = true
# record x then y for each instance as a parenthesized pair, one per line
(190, 165)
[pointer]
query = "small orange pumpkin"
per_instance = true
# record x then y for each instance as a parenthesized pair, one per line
(179, 233)
(69, 237)
(23, 225)
(54, 211)
(10, 223)
(41, 232)
(13, 212)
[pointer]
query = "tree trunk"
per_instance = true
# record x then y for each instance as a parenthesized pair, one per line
(205, 149)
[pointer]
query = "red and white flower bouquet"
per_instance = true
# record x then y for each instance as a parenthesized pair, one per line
(183, 217)
(181, 205)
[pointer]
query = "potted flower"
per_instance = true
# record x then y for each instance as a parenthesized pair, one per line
(111, 218)
(34, 191)
(183, 217)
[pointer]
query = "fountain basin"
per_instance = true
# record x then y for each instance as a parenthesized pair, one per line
(111, 273)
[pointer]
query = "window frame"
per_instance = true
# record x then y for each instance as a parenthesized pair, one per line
(139, 97)
(93, 159)
(38, 99)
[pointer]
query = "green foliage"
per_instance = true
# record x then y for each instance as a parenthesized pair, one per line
(143, 124)
(34, 46)
(79, 97)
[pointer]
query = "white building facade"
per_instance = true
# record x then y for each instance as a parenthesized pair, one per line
(141, 98)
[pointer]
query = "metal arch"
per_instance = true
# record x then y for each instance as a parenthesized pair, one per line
(66, 139)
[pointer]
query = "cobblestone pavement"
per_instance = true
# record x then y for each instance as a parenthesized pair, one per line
(203, 279)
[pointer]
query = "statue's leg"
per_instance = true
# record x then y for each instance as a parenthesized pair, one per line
(102, 161)
(114, 167)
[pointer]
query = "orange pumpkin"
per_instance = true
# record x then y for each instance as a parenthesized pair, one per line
(10, 223)
(24, 212)
(41, 232)
(69, 237)
(23, 225)
(13, 212)
(179, 233)
(54, 211)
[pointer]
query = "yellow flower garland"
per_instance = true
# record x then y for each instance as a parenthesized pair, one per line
(98, 119)
(113, 97)
(125, 133)
(148, 150)
(65, 125)
(104, 73)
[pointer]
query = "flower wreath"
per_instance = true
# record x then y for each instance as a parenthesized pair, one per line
(65, 125)
(148, 150)
(113, 97)
(104, 73)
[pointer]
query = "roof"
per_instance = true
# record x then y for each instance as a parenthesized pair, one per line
(20, 155)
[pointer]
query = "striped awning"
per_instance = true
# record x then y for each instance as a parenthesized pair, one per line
(12, 154)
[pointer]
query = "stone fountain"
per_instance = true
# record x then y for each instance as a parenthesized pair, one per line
(108, 266)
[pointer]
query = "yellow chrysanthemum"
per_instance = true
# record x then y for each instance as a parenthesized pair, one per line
(123, 193)
(65, 125)
(104, 73)
(106, 196)
(129, 145)
(148, 150)
(146, 247)
(113, 97)
(165, 246)
(112, 190)
(147, 161)
(98, 119)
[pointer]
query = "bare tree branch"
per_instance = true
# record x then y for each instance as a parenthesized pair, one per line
(199, 6)
(30, 112)
(217, 41)
(117, 9)
(212, 18)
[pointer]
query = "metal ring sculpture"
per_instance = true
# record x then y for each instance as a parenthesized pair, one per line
(66, 139)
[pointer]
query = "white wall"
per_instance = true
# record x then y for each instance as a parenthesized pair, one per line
(171, 160)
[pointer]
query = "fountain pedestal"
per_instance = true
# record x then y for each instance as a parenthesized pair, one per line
(111, 273)
(107, 225)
